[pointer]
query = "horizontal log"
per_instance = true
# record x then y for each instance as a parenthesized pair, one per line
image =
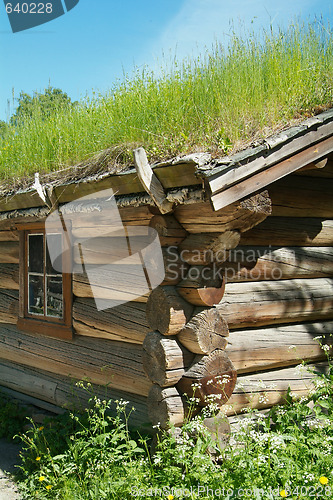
(240, 216)
(102, 362)
(169, 230)
(295, 196)
(9, 306)
(9, 236)
(275, 263)
(113, 283)
(125, 323)
(210, 379)
(205, 248)
(167, 312)
(287, 301)
(289, 231)
(9, 276)
(55, 389)
(266, 389)
(205, 332)
(164, 359)
(165, 406)
(9, 252)
(326, 172)
(268, 348)
(202, 286)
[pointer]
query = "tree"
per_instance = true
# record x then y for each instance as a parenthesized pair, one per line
(3, 128)
(44, 104)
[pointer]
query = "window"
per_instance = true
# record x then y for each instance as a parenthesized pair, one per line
(45, 292)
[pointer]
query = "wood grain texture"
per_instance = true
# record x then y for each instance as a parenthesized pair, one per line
(274, 263)
(167, 312)
(205, 248)
(169, 230)
(9, 252)
(9, 276)
(241, 216)
(63, 392)
(206, 331)
(210, 379)
(269, 348)
(9, 306)
(266, 389)
(165, 406)
(202, 286)
(287, 301)
(101, 361)
(295, 196)
(9, 236)
(290, 231)
(125, 323)
(164, 359)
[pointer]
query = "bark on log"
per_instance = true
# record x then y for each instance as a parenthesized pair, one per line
(165, 407)
(266, 389)
(9, 236)
(203, 249)
(210, 379)
(55, 389)
(295, 196)
(274, 263)
(289, 231)
(164, 359)
(9, 306)
(9, 276)
(167, 312)
(269, 348)
(202, 286)
(241, 216)
(168, 229)
(9, 252)
(125, 323)
(287, 301)
(205, 332)
(116, 364)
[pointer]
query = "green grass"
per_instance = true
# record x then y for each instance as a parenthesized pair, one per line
(215, 102)
(93, 456)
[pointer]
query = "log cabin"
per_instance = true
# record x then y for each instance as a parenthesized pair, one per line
(246, 246)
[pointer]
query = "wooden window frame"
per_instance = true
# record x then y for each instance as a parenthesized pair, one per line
(50, 326)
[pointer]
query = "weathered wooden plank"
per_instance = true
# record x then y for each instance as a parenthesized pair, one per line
(169, 230)
(253, 304)
(241, 216)
(267, 348)
(266, 389)
(9, 306)
(288, 152)
(274, 263)
(125, 323)
(325, 172)
(9, 276)
(165, 406)
(103, 362)
(55, 389)
(9, 252)
(19, 200)
(262, 179)
(181, 174)
(9, 236)
(290, 231)
(295, 196)
(150, 182)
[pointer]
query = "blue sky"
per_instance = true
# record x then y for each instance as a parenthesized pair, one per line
(97, 41)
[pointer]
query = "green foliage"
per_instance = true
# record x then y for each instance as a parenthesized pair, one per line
(226, 96)
(12, 417)
(286, 452)
(40, 105)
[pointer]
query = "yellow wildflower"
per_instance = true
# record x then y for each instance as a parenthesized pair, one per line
(323, 480)
(41, 428)
(41, 478)
(49, 486)
(38, 458)
(283, 493)
(170, 497)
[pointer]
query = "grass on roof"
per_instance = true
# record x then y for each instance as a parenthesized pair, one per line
(213, 103)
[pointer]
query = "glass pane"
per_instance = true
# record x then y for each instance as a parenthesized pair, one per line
(54, 297)
(36, 253)
(54, 241)
(36, 294)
